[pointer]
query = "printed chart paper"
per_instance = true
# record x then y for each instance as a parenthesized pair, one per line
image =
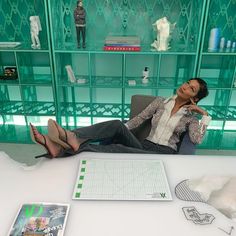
(107, 179)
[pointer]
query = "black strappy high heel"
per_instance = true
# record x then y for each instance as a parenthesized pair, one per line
(33, 134)
(44, 155)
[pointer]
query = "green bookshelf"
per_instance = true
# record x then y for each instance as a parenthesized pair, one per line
(31, 97)
(219, 70)
(102, 90)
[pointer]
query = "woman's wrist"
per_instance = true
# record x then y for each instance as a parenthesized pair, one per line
(204, 113)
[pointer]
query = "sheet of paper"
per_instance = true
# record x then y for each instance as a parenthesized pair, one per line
(107, 179)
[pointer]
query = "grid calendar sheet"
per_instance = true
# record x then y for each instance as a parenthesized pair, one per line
(106, 179)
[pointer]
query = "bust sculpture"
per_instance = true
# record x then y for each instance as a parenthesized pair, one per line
(163, 28)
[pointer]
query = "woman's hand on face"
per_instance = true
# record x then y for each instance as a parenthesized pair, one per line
(194, 108)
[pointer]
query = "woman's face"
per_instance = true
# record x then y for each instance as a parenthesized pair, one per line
(189, 90)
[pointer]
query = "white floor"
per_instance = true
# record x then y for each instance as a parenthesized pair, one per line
(25, 153)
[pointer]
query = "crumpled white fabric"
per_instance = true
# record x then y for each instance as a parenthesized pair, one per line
(217, 191)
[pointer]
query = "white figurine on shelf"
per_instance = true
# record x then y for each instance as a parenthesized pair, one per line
(145, 75)
(35, 27)
(163, 28)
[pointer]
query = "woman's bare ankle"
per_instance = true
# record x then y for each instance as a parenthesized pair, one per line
(54, 148)
(73, 141)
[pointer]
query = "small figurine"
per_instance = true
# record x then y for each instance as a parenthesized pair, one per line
(164, 28)
(9, 73)
(80, 22)
(35, 27)
(233, 46)
(145, 75)
(70, 74)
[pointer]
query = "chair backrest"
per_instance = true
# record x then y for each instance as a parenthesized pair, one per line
(138, 104)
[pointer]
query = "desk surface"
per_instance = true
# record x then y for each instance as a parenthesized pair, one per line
(53, 181)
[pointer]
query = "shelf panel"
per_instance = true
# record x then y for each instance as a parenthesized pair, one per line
(139, 84)
(36, 79)
(39, 108)
(145, 50)
(105, 81)
(9, 82)
(25, 48)
(106, 110)
(95, 110)
(27, 108)
(231, 113)
(232, 53)
(75, 109)
(12, 108)
(70, 84)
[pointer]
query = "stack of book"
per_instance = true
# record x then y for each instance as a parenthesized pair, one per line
(122, 43)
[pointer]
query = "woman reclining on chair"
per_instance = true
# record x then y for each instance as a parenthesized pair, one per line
(170, 118)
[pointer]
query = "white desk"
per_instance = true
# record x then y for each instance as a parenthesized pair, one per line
(53, 181)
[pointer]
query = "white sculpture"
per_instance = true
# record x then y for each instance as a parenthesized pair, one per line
(163, 28)
(35, 27)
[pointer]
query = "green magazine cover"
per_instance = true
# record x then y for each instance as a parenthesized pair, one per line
(40, 219)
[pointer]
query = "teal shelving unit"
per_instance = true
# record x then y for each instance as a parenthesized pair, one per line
(106, 93)
(219, 70)
(31, 97)
(102, 90)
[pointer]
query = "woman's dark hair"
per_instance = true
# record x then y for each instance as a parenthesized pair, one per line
(203, 91)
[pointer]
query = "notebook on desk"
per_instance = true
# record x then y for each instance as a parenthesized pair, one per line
(109, 179)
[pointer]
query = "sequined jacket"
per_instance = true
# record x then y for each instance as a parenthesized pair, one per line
(80, 16)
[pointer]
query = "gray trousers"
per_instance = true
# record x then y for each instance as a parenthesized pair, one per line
(121, 140)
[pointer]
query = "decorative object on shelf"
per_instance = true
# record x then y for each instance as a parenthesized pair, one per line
(35, 27)
(164, 29)
(145, 75)
(122, 43)
(70, 74)
(9, 44)
(131, 82)
(121, 48)
(214, 40)
(80, 22)
(228, 46)
(10, 73)
(233, 47)
(81, 81)
(222, 44)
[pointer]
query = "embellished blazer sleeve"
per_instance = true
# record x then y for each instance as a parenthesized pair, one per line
(197, 129)
(145, 114)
